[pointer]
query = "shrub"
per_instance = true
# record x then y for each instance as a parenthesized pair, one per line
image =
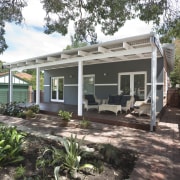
(29, 114)
(65, 115)
(11, 109)
(10, 145)
(85, 124)
(34, 108)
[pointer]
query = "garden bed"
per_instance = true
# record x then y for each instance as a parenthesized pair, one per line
(112, 163)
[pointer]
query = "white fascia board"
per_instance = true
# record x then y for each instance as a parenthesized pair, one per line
(88, 58)
(50, 58)
(82, 53)
(103, 50)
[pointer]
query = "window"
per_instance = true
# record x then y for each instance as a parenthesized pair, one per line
(57, 89)
(88, 84)
(133, 84)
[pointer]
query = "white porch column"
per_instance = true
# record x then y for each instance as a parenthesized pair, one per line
(153, 83)
(37, 85)
(10, 86)
(80, 88)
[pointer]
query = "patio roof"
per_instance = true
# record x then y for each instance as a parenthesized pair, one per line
(126, 49)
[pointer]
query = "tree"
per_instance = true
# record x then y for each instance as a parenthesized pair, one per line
(33, 80)
(2, 70)
(10, 11)
(75, 44)
(175, 74)
(111, 15)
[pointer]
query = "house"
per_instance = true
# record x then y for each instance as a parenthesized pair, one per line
(137, 65)
(21, 88)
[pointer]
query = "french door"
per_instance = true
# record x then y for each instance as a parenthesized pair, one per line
(133, 84)
(57, 89)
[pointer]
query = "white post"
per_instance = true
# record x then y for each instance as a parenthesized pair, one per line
(10, 86)
(37, 85)
(80, 88)
(153, 83)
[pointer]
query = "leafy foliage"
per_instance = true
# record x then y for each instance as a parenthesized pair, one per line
(69, 158)
(10, 11)
(110, 15)
(175, 75)
(10, 145)
(75, 44)
(11, 109)
(65, 115)
(85, 124)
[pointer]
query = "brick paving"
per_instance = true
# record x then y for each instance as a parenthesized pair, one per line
(159, 151)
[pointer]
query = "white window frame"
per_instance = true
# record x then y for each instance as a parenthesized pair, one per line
(132, 81)
(89, 75)
(57, 100)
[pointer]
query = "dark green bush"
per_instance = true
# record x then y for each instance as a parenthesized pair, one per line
(11, 109)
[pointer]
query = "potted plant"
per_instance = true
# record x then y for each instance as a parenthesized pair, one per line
(65, 116)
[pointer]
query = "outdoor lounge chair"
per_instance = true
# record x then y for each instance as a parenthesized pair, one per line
(91, 102)
(142, 107)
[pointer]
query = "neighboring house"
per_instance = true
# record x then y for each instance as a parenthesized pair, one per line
(22, 91)
(137, 65)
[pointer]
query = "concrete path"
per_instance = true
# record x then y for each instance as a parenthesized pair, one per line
(159, 151)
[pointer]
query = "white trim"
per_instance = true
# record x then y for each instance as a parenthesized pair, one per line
(80, 88)
(37, 85)
(57, 100)
(68, 85)
(53, 100)
(113, 84)
(159, 83)
(46, 85)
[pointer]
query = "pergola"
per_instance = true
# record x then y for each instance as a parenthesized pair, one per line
(127, 49)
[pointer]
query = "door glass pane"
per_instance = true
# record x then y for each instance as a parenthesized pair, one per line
(139, 86)
(125, 84)
(88, 85)
(60, 89)
(54, 88)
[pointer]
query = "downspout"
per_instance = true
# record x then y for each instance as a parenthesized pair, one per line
(153, 81)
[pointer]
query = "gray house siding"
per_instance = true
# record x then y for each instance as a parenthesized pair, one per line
(104, 85)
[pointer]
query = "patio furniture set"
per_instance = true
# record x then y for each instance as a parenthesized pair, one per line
(116, 104)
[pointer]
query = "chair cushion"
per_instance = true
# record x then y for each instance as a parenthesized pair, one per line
(90, 98)
(111, 99)
(117, 99)
(124, 100)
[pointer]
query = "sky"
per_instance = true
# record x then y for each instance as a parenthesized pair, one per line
(28, 40)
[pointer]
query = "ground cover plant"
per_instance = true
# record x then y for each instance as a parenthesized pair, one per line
(69, 158)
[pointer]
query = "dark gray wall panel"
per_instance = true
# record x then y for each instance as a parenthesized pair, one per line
(71, 95)
(102, 92)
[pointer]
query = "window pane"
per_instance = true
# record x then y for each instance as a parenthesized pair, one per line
(54, 88)
(88, 85)
(139, 86)
(60, 89)
(125, 84)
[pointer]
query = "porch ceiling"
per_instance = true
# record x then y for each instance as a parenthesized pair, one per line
(127, 49)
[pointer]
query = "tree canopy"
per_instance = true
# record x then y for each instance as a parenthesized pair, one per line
(111, 15)
(86, 15)
(10, 11)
